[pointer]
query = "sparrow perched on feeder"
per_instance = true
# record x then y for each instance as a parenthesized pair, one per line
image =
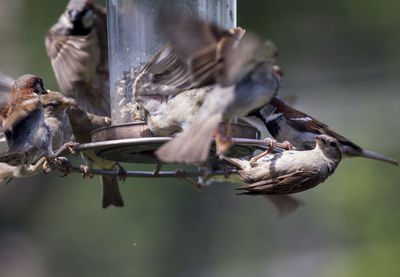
(290, 171)
(55, 106)
(237, 65)
(82, 125)
(286, 123)
(77, 47)
(23, 120)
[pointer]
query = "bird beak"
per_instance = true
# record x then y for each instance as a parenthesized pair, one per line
(320, 140)
(68, 102)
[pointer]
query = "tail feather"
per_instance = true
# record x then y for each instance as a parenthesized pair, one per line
(375, 156)
(193, 144)
(111, 193)
(284, 204)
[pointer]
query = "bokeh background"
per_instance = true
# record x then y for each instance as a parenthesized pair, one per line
(340, 58)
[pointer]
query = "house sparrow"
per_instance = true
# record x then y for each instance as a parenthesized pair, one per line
(237, 65)
(82, 125)
(164, 99)
(23, 120)
(290, 171)
(77, 47)
(55, 106)
(286, 123)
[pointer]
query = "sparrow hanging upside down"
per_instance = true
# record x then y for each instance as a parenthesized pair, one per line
(290, 171)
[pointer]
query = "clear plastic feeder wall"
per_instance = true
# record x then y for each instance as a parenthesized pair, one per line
(133, 40)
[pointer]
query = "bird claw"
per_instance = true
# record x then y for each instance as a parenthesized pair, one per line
(288, 145)
(179, 173)
(67, 146)
(47, 168)
(253, 161)
(65, 164)
(122, 173)
(85, 171)
(271, 146)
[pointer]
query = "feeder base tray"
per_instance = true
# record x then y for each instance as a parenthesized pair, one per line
(134, 142)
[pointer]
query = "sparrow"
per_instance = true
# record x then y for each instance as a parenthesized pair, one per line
(290, 171)
(82, 125)
(55, 106)
(78, 50)
(286, 123)
(23, 120)
(165, 107)
(238, 66)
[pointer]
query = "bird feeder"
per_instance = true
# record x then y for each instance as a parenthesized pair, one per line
(133, 39)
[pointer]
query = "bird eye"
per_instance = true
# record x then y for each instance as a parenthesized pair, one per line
(333, 144)
(52, 105)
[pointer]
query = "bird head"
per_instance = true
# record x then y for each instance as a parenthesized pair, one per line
(330, 147)
(28, 84)
(54, 102)
(80, 16)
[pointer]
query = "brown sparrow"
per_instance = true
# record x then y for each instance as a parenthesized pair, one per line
(286, 123)
(82, 125)
(28, 136)
(237, 65)
(55, 106)
(77, 47)
(290, 171)
(23, 120)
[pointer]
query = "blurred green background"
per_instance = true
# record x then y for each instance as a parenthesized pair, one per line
(341, 58)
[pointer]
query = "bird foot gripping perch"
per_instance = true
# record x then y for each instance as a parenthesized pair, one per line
(122, 173)
(272, 145)
(47, 162)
